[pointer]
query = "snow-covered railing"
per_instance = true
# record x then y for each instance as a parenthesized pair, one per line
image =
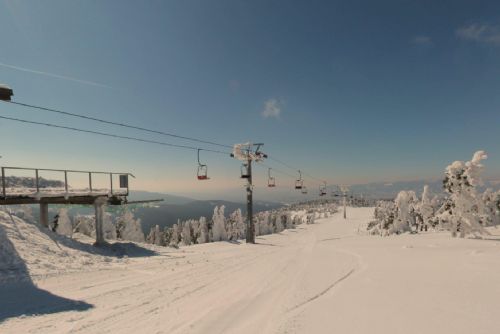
(18, 191)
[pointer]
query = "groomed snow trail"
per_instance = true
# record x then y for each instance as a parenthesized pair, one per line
(320, 278)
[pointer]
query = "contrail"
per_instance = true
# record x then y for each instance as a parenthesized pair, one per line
(85, 82)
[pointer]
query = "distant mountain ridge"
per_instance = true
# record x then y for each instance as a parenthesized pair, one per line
(389, 190)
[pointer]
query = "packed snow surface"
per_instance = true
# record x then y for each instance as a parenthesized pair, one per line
(327, 277)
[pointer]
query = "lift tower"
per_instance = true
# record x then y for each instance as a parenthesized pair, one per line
(248, 153)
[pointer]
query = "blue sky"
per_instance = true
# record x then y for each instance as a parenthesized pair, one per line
(349, 91)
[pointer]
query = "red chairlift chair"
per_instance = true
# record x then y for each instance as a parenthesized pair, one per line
(202, 169)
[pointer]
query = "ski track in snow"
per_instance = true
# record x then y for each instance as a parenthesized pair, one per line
(324, 291)
(319, 278)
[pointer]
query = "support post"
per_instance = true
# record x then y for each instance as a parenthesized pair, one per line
(3, 183)
(345, 215)
(99, 220)
(44, 214)
(250, 224)
(90, 182)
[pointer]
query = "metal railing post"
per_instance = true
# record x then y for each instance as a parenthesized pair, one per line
(66, 181)
(111, 181)
(90, 181)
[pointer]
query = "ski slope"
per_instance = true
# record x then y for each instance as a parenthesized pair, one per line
(321, 278)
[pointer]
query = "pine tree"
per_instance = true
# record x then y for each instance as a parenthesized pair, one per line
(174, 241)
(219, 232)
(186, 233)
(462, 216)
(129, 228)
(64, 225)
(204, 236)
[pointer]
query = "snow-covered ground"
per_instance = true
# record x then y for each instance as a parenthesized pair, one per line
(323, 278)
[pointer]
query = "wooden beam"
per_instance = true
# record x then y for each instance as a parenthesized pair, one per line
(82, 200)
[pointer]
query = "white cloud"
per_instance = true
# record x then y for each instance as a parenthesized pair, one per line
(484, 33)
(272, 108)
(422, 40)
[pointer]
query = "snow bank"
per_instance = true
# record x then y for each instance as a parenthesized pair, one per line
(29, 251)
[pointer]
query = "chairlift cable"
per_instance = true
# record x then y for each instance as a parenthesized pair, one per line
(113, 135)
(118, 124)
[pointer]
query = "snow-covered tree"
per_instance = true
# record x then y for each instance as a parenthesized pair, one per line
(186, 233)
(310, 218)
(167, 235)
(109, 229)
(155, 236)
(287, 217)
(195, 231)
(237, 225)
(64, 225)
(85, 224)
(204, 236)
(426, 209)
(463, 215)
(404, 218)
(278, 223)
(384, 218)
(129, 228)
(219, 232)
(491, 207)
(265, 223)
(174, 240)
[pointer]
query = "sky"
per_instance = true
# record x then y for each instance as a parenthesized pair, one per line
(347, 91)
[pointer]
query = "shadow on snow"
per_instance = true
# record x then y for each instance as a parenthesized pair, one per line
(19, 296)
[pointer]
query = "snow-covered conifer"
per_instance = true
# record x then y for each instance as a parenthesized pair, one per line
(174, 241)
(404, 218)
(129, 228)
(186, 233)
(461, 178)
(219, 232)
(278, 223)
(204, 236)
(64, 225)
(85, 224)
(108, 227)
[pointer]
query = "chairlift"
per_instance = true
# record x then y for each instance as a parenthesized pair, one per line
(322, 189)
(271, 181)
(299, 183)
(304, 190)
(202, 169)
(244, 172)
